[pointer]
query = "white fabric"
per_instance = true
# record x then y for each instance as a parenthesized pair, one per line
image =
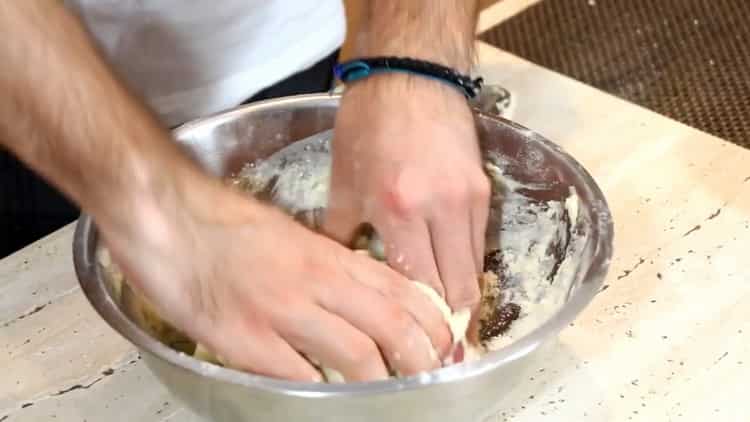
(190, 58)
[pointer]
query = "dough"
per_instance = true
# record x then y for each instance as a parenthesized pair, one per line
(458, 323)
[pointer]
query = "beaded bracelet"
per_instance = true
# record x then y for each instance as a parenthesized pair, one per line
(354, 70)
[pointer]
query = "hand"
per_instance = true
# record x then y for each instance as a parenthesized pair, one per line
(406, 160)
(260, 290)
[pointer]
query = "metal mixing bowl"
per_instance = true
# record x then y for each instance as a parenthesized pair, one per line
(223, 144)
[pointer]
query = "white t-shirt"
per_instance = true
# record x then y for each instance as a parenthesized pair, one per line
(190, 58)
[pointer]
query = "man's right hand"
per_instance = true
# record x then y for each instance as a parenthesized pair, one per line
(244, 280)
(260, 290)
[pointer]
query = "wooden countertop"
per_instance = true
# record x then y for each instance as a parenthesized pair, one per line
(665, 341)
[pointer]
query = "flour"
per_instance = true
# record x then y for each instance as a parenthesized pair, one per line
(295, 178)
(540, 249)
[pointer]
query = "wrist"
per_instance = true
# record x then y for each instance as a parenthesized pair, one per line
(427, 54)
(160, 214)
(145, 189)
(138, 193)
(401, 92)
(362, 68)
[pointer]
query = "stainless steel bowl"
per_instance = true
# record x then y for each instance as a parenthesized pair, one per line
(223, 144)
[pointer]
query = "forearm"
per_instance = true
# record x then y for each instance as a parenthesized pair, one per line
(66, 115)
(436, 30)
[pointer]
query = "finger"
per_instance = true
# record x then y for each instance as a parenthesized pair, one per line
(479, 216)
(478, 222)
(403, 342)
(263, 353)
(451, 235)
(397, 289)
(479, 219)
(342, 216)
(408, 250)
(335, 343)
(341, 224)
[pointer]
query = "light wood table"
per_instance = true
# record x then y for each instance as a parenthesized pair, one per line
(666, 341)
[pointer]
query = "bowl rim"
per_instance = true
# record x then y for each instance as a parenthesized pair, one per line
(90, 279)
